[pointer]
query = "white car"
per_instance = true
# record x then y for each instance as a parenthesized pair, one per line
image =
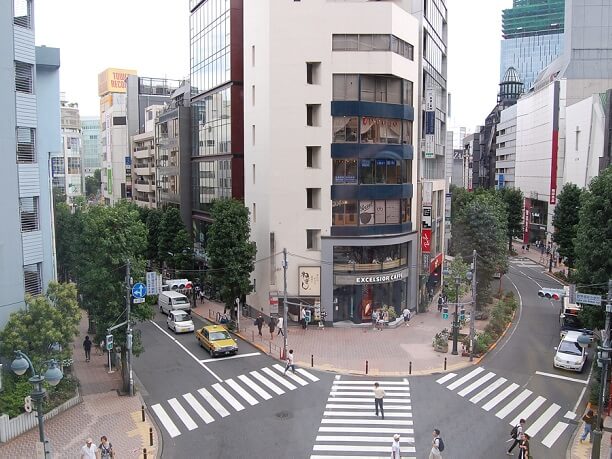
(179, 322)
(570, 355)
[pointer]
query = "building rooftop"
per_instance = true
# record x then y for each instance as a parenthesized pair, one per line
(533, 17)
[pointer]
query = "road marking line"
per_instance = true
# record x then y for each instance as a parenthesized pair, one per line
(531, 408)
(343, 406)
(243, 393)
(166, 421)
(353, 414)
(309, 375)
(189, 353)
(371, 382)
(554, 434)
(228, 397)
(198, 408)
(251, 384)
(290, 374)
(502, 395)
(266, 382)
(476, 384)
(278, 379)
(341, 438)
(213, 402)
(485, 392)
(569, 415)
(365, 400)
(371, 393)
(317, 456)
(238, 356)
(539, 423)
(520, 398)
(565, 378)
(391, 430)
(366, 421)
(362, 448)
(371, 388)
(443, 379)
(181, 413)
(475, 372)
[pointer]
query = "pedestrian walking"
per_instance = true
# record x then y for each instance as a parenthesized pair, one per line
(259, 323)
(437, 445)
(88, 450)
(516, 435)
(440, 303)
(272, 325)
(290, 362)
(375, 318)
(105, 448)
(87, 347)
(524, 447)
(395, 447)
(406, 313)
(379, 395)
(588, 426)
(280, 326)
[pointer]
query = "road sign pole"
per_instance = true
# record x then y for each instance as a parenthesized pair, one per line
(128, 304)
(473, 313)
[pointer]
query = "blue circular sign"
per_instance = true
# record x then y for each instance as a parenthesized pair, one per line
(139, 290)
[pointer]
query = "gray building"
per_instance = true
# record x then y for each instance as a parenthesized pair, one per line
(92, 155)
(30, 127)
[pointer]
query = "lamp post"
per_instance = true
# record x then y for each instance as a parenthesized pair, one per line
(53, 376)
(456, 319)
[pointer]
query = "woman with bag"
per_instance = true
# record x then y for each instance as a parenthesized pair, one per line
(524, 447)
(106, 448)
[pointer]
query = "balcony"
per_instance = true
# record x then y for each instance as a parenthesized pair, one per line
(143, 153)
(144, 171)
(145, 187)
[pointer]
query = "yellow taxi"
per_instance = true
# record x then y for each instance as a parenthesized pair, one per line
(217, 340)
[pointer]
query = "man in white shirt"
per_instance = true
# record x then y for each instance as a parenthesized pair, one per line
(88, 450)
(395, 447)
(290, 362)
(280, 327)
(379, 394)
(435, 446)
(406, 313)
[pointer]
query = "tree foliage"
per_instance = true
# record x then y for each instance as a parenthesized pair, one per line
(513, 199)
(153, 223)
(458, 269)
(565, 220)
(231, 254)
(169, 227)
(93, 184)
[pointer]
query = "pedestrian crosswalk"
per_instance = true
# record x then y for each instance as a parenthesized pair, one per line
(350, 428)
(502, 397)
(180, 414)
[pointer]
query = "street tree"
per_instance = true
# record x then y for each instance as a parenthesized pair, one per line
(46, 328)
(170, 225)
(513, 199)
(153, 223)
(230, 252)
(93, 184)
(68, 226)
(481, 225)
(458, 270)
(182, 250)
(565, 220)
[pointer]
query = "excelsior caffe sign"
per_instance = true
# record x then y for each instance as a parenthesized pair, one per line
(379, 278)
(371, 277)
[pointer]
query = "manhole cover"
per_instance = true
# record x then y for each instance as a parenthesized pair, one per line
(284, 415)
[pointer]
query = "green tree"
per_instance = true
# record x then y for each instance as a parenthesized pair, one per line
(93, 184)
(230, 252)
(46, 321)
(565, 220)
(182, 260)
(513, 198)
(169, 227)
(153, 223)
(593, 243)
(458, 269)
(68, 227)
(481, 225)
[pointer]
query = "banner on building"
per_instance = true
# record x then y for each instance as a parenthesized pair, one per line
(309, 280)
(430, 99)
(526, 217)
(430, 146)
(435, 263)
(448, 199)
(426, 240)
(427, 193)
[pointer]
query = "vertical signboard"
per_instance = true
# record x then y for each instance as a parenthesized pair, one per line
(526, 217)
(555, 145)
(430, 123)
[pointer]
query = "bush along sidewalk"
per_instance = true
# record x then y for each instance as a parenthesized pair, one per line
(501, 315)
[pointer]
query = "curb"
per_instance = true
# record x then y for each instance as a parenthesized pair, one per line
(494, 345)
(159, 448)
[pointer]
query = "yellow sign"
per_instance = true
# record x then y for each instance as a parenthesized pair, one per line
(113, 80)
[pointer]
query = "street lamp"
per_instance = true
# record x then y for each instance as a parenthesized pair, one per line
(53, 376)
(456, 319)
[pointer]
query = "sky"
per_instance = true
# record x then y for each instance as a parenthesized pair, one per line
(152, 37)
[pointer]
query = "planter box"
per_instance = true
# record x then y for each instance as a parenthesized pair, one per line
(443, 349)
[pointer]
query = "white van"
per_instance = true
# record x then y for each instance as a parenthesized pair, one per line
(171, 301)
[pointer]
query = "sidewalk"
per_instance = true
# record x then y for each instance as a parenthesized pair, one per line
(346, 350)
(103, 412)
(577, 450)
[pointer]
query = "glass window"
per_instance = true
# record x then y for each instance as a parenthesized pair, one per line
(381, 173)
(345, 129)
(407, 99)
(26, 151)
(381, 42)
(368, 88)
(28, 208)
(345, 171)
(32, 278)
(366, 43)
(393, 171)
(366, 171)
(380, 130)
(344, 213)
(394, 90)
(345, 87)
(405, 203)
(24, 77)
(407, 131)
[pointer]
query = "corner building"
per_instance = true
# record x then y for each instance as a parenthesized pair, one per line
(330, 90)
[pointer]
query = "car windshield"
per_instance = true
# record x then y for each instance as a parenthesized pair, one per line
(180, 300)
(215, 336)
(570, 347)
(181, 317)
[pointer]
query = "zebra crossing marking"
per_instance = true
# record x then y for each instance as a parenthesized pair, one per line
(213, 402)
(198, 408)
(258, 390)
(310, 376)
(488, 391)
(476, 384)
(266, 382)
(367, 406)
(443, 379)
(390, 430)
(534, 428)
(554, 434)
(166, 421)
(182, 414)
(475, 372)
(498, 398)
(228, 397)
(529, 410)
(290, 374)
(366, 414)
(367, 421)
(520, 398)
(279, 379)
(243, 393)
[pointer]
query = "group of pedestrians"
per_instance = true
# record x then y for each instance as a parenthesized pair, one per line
(103, 451)
(519, 438)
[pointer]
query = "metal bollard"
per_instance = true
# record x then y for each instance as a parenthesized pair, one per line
(366, 367)
(410, 368)
(144, 453)
(444, 363)
(253, 335)
(270, 347)
(150, 436)
(142, 412)
(311, 360)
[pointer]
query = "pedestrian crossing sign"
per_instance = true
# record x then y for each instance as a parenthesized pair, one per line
(445, 315)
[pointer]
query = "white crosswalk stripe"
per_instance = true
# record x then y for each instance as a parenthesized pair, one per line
(496, 392)
(350, 427)
(290, 374)
(231, 393)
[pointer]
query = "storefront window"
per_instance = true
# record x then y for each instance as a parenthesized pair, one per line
(345, 129)
(345, 171)
(371, 212)
(383, 171)
(380, 130)
(407, 131)
(344, 213)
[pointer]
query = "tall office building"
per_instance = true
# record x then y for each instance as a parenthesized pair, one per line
(532, 37)
(91, 157)
(29, 127)
(330, 163)
(66, 168)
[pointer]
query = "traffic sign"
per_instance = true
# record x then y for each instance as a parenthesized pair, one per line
(138, 300)
(139, 290)
(445, 315)
(109, 342)
(586, 298)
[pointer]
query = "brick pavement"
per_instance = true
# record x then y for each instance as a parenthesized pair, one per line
(103, 412)
(578, 450)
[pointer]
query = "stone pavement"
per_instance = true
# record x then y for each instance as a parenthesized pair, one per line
(578, 450)
(103, 412)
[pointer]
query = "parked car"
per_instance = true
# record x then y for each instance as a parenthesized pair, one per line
(217, 340)
(570, 355)
(179, 322)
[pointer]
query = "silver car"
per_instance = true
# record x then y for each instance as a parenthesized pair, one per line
(179, 322)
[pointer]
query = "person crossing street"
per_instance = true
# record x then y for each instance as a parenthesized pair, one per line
(516, 434)
(379, 395)
(290, 363)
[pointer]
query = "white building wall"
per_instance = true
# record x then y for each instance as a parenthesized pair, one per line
(506, 154)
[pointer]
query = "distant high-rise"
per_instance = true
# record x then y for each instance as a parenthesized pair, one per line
(533, 37)
(91, 158)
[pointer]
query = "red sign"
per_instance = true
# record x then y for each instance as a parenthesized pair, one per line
(526, 217)
(435, 263)
(426, 240)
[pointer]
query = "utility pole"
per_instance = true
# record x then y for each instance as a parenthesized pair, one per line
(456, 319)
(473, 313)
(604, 358)
(128, 343)
(285, 305)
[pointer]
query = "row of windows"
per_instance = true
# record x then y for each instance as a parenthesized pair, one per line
(363, 255)
(212, 124)
(22, 13)
(211, 180)
(366, 129)
(372, 42)
(372, 171)
(372, 88)
(370, 212)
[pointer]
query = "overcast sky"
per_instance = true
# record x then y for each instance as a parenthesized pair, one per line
(152, 37)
